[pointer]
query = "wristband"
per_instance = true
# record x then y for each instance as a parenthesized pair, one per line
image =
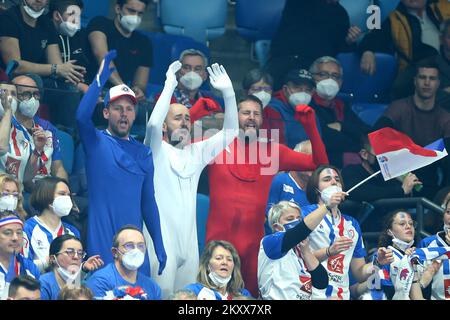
(328, 253)
(54, 69)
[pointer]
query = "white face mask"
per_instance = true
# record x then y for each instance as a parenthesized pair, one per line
(263, 96)
(299, 98)
(8, 202)
(327, 89)
(133, 259)
(218, 280)
(29, 107)
(326, 193)
(130, 23)
(62, 205)
(402, 245)
(67, 28)
(69, 276)
(13, 107)
(191, 80)
(33, 14)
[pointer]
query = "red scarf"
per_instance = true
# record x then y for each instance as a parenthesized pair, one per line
(337, 104)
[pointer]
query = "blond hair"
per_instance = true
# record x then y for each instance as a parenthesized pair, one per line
(5, 178)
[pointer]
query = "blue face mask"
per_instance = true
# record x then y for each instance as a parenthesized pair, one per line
(291, 224)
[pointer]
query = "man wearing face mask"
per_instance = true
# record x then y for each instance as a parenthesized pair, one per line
(29, 37)
(134, 51)
(128, 250)
(341, 127)
(34, 150)
(73, 45)
(376, 188)
(298, 88)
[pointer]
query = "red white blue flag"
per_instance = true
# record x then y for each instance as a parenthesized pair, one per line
(397, 154)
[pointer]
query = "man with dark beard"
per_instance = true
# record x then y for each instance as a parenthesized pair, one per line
(376, 188)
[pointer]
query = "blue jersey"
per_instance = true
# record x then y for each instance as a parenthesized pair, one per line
(120, 184)
(38, 237)
(105, 280)
(284, 187)
(204, 293)
(49, 286)
(19, 265)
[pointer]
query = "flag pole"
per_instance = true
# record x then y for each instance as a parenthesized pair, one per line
(365, 180)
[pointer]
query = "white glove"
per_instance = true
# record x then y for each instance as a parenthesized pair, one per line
(171, 74)
(219, 79)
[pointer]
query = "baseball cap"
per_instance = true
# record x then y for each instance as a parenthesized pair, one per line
(118, 91)
(300, 76)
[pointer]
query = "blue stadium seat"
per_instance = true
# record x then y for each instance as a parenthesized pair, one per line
(93, 9)
(386, 7)
(357, 11)
(257, 21)
(202, 20)
(363, 87)
(369, 112)
(202, 217)
(67, 150)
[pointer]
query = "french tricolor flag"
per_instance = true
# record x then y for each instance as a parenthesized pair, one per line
(397, 154)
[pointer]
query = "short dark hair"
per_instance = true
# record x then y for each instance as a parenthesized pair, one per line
(115, 243)
(252, 98)
(61, 5)
(23, 281)
(254, 76)
(43, 193)
(429, 64)
(121, 3)
(313, 183)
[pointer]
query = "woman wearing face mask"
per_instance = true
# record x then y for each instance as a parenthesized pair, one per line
(434, 280)
(66, 266)
(337, 241)
(287, 269)
(52, 200)
(11, 195)
(260, 84)
(398, 237)
(219, 276)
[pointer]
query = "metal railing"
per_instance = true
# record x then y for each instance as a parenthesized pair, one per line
(420, 204)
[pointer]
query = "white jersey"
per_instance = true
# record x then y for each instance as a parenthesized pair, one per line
(440, 286)
(282, 276)
(337, 266)
(177, 172)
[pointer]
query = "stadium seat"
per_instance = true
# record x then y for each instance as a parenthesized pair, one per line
(386, 7)
(93, 9)
(369, 112)
(67, 150)
(202, 217)
(357, 11)
(202, 20)
(257, 21)
(363, 87)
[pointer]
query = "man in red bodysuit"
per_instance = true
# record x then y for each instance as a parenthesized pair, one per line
(240, 179)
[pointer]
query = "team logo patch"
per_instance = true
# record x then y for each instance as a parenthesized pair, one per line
(44, 43)
(404, 274)
(336, 263)
(306, 284)
(447, 288)
(12, 166)
(125, 89)
(288, 189)
(351, 233)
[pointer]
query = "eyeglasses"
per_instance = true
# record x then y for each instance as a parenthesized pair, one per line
(131, 245)
(412, 224)
(325, 74)
(262, 88)
(26, 95)
(5, 194)
(71, 253)
(187, 68)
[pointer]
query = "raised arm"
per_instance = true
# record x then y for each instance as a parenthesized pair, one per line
(291, 160)
(154, 135)
(87, 105)
(221, 81)
(5, 122)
